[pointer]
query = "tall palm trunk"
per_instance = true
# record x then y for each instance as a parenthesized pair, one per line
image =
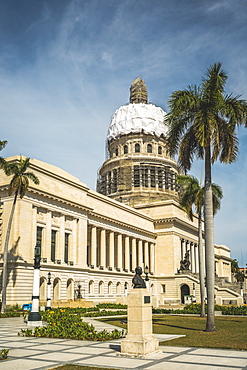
(201, 266)
(209, 241)
(5, 257)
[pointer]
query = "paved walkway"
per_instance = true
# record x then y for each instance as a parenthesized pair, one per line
(45, 353)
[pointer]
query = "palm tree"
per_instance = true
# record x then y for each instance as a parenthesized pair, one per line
(192, 194)
(234, 266)
(2, 145)
(202, 122)
(18, 186)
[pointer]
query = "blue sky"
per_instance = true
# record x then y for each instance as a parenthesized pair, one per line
(67, 65)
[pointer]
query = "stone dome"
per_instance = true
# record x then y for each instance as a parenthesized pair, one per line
(136, 118)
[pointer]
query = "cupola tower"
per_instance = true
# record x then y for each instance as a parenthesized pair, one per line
(138, 168)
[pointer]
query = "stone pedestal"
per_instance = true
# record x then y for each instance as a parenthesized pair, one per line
(140, 340)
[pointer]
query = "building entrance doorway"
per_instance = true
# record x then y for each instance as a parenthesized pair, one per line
(185, 290)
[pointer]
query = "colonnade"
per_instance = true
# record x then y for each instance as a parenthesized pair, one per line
(192, 248)
(113, 250)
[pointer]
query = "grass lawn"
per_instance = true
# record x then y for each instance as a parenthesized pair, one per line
(231, 332)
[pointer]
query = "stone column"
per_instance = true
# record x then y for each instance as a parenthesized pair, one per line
(119, 252)
(72, 246)
(192, 257)
(47, 244)
(140, 254)
(146, 255)
(111, 250)
(61, 239)
(183, 248)
(93, 247)
(151, 268)
(103, 248)
(133, 245)
(126, 253)
(82, 242)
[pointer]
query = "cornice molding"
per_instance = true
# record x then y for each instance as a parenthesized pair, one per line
(113, 221)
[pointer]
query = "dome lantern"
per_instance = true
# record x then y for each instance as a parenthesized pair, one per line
(138, 91)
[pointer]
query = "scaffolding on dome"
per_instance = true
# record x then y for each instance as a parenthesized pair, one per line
(138, 91)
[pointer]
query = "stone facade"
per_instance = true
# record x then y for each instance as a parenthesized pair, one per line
(92, 241)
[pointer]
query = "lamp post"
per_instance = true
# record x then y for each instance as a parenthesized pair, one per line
(241, 289)
(146, 271)
(48, 304)
(125, 288)
(34, 318)
(79, 291)
(194, 293)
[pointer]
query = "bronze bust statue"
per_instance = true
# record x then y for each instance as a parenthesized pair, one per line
(137, 279)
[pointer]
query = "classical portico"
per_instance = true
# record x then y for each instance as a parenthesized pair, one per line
(113, 250)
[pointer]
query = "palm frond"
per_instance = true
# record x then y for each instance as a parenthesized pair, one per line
(32, 177)
(217, 194)
(3, 143)
(189, 148)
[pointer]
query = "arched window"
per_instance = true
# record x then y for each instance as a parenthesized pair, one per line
(91, 287)
(149, 148)
(119, 288)
(159, 150)
(101, 287)
(56, 289)
(137, 148)
(70, 289)
(126, 149)
(116, 151)
(43, 288)
(110, 287)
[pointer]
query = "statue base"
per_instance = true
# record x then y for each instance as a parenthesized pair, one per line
(140, 340)
(34, 323)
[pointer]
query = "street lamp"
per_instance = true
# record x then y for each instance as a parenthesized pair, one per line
(146, 271)
(48, 304)
(79, 291)
(34, 318)
(241, 289)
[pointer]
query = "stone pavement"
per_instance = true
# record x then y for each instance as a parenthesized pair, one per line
(45, 353)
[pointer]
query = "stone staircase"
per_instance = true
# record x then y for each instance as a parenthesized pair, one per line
(223, 282)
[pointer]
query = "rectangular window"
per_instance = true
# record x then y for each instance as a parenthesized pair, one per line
(136, 177)
(66, 248)
(152, 177)
(160, 178)
(53, 245)
(145, 177)
(39, 237)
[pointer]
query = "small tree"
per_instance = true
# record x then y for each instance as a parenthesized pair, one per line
(18, 186)
(192, 194)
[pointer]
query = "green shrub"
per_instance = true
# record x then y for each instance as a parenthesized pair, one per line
(11, 314)
(67, 324)
(14, 307)
(4, 354)
(233, 310)
(112, 305)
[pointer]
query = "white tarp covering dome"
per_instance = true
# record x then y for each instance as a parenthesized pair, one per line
(135, 118)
